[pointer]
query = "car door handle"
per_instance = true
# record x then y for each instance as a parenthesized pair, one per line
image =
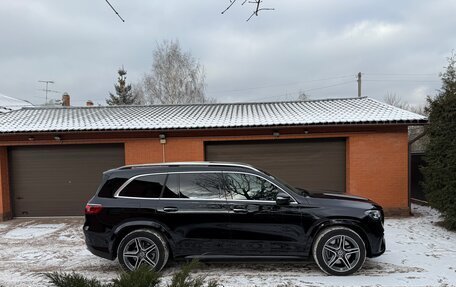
(240, 210)
(170, 209)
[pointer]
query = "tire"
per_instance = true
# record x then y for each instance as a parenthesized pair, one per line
(339, 251)
(153, 251)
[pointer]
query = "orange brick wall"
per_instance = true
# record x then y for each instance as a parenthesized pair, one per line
(378, 169)
(143, 151)
(5, 205)
(175, 149)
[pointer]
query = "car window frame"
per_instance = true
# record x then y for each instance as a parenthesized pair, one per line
(119, 191)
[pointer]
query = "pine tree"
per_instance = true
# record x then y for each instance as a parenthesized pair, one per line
(124, 94)
(440, 170)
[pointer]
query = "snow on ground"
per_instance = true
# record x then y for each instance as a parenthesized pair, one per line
(419, 253)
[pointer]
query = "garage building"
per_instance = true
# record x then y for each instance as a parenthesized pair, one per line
(51, 159)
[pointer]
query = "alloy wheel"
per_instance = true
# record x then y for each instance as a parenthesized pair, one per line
(341, 253)
(140, 251)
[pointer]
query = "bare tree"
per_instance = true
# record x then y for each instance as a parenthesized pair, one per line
(393, 100)
(137, 89)
(256, 3)
(413, 131)
(175, 78)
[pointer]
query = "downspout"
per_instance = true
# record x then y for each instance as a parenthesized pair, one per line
(422, 134)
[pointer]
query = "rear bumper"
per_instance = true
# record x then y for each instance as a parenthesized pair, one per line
(98, 244)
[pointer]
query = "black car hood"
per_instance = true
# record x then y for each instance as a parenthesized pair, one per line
(338, 196)
(321, 198)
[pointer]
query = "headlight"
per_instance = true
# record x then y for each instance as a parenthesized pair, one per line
(374, 214)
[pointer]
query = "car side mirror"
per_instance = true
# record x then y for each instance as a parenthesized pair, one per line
(283, 199)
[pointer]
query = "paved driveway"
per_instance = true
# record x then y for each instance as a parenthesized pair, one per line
(419, 253)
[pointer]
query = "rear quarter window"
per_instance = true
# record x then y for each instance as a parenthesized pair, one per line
(147, 186)
(111, 186)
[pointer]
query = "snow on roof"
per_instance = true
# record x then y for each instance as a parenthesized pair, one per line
(205, 116)
(8, 104)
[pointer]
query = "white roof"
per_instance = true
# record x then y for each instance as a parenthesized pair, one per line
(8, 104)
(206, 116)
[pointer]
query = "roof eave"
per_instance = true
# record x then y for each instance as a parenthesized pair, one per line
(329, 124)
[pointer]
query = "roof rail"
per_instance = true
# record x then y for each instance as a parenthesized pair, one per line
(190, 163)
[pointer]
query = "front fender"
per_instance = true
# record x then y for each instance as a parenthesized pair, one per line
(354, 224)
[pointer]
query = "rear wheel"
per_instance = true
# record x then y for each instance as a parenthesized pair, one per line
(339, 251)
(143, 247)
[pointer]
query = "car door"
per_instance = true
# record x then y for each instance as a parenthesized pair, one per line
(260, 227)
(194, 209)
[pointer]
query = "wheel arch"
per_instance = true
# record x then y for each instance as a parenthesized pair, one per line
(347, 223)
(125, 228)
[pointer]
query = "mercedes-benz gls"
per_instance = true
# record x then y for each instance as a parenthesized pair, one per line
(147, 214)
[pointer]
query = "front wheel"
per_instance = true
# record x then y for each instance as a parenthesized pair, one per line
(143, 247)
(339, 251)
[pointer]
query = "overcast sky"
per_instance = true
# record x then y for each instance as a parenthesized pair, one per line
(316, 46)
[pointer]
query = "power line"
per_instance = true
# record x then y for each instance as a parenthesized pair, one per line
(325, 87)
(402, 80)
(407, 75)
(115, 11)
(404, 74)
(278, 85)
(303, 90)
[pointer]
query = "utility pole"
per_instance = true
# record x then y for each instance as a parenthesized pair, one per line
(46, 89)
(359, 84)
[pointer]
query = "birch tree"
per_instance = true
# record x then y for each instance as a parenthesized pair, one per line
(176, 77)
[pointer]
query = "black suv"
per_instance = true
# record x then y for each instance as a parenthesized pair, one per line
(145, 214)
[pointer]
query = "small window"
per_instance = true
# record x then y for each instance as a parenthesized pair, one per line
(240, 186)
(148, 186)
(111, 186)
(200, 185)
(171, 189)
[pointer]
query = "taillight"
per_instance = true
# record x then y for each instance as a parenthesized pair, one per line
(93, 208)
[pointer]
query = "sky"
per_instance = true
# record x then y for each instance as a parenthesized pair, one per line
(312, 46)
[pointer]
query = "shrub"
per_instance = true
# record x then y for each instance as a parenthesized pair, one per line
(143, 277)
(183, 278)
(71, 280)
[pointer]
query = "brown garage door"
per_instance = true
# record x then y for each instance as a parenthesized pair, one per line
(58, 180)
(317, 165)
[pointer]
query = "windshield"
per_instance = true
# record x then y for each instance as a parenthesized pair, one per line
(300, 191)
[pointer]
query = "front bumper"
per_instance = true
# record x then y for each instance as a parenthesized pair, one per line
(378, 248)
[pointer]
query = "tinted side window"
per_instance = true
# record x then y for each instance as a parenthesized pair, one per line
(171, 189)
(241, 186)
(111, 186)
(201, 185)
(148, 186)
